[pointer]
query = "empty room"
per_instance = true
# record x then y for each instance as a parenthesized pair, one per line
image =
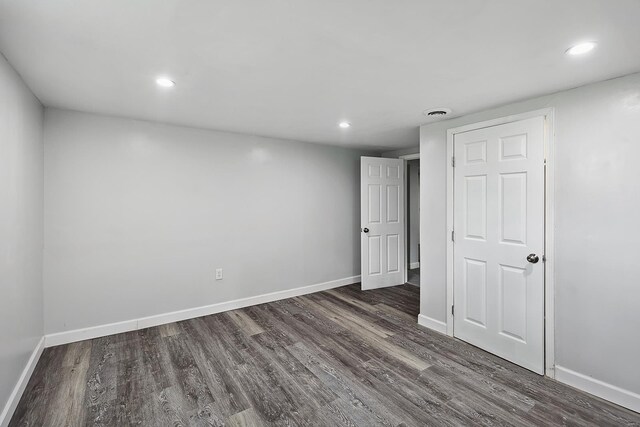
(319, 213)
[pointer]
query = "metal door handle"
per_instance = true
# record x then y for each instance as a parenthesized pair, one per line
(366, 230)
(533, 258)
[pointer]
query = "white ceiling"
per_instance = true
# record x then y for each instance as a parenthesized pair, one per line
(295, 68)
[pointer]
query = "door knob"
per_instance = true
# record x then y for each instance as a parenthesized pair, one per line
(366, 230)
(533, 258)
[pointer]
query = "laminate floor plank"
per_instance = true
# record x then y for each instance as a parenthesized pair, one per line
(295, 376)
(192, 395)
(245, 322)
(342, 357)
(246, 418)
(324, 334)
(69, 399)
(102, 374)
(353, 318)
(219, 372)
(341, 381)
(346, 334)
(169, 330)
(353, 301)
(374, 340)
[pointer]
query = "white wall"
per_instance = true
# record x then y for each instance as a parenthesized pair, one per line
(597, 199)
(413, 181)
(21, 165)
(138, 215)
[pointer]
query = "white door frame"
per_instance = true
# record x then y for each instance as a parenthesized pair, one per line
(407, 157)
(547, 113)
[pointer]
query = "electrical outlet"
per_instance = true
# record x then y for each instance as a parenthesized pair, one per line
(218, 274)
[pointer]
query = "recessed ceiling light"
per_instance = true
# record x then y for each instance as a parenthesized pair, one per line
(344, 125)
(165, 82)
(581, 48)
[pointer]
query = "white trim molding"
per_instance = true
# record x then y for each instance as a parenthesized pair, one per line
(606, 391)
(548, 114)
(413, 265)
(67, 337)
(433, 324)
(16, 394)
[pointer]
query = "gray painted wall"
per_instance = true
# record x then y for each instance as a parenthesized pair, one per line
(597, 199)
(138, 216)
(21, 165)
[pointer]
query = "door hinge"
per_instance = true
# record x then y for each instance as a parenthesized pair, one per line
(452, 310)
(453, 236)
(544, 258)
(453, 162)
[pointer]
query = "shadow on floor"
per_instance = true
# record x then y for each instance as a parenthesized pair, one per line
(414, 277)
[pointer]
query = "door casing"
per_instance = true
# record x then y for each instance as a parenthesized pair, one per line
(547, 113)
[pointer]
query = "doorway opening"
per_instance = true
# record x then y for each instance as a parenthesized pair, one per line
(413, 222)
(412, 218)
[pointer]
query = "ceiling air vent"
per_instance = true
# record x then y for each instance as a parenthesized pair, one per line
(433, 113)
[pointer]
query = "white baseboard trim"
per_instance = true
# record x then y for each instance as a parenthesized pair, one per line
(67, 337)
(606, 391)
(176, 316)
(16, 394)
(60, 338)
(431, 323)
(413, 265)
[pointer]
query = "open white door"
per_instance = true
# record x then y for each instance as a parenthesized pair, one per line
(382, 222)
(499, 240)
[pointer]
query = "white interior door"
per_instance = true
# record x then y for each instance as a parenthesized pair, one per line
(499, 223)
(382, 222)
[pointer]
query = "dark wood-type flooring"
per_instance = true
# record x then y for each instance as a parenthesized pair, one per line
(341, 357)
(414, 277)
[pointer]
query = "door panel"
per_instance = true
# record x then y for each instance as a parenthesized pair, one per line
(475, 282)
(375, 203)
(393, 251)
(393, 204)
(513, 303)
(476, 207)
(513, 208)
(499, 218)
(382, 214)
(375, 255)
